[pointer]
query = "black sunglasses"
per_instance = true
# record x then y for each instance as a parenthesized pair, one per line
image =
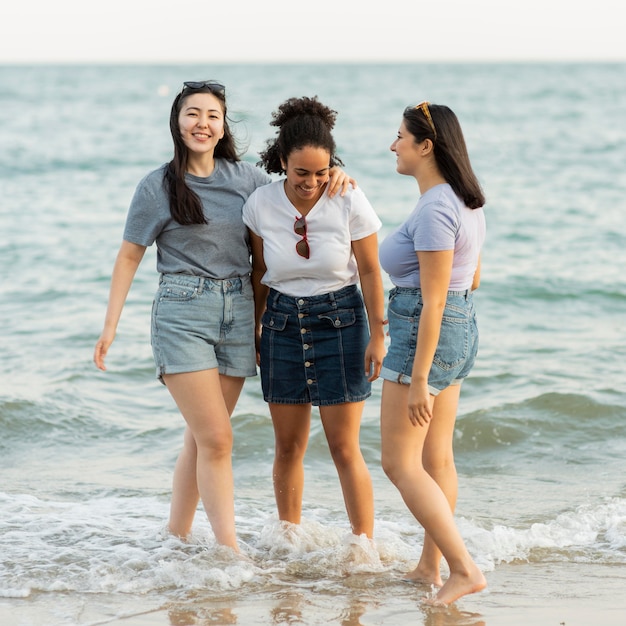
(211, 85)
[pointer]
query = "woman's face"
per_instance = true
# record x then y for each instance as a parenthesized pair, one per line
(407, 151)
(307, 172)
(201, 122)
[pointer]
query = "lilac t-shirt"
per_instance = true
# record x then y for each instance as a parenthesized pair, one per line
(440, 221)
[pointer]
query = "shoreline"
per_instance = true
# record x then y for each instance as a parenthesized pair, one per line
(518, 594)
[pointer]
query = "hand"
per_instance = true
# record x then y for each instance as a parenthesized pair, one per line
(101, 349)
(374, 354)
(420, 404)
(339, 180)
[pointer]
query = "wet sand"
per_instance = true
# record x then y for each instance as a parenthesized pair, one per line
(557, 594)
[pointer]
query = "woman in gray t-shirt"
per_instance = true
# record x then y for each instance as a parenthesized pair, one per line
(203, 322)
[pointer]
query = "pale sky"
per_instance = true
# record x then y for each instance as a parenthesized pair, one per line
(156, 31)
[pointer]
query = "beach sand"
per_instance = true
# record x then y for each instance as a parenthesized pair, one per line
(523, 594)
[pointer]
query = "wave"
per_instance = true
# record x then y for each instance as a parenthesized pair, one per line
(118, 544)
(67, 421)
(564, 418)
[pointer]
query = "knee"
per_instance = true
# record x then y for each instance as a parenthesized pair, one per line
(439, 464)
(391, 468)
(218, 444)
(343, 454)
(290, 451)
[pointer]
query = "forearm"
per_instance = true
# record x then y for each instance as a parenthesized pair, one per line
(476, 279)
(374, 299)
(427, 339)
(260, 295)
(122, 277)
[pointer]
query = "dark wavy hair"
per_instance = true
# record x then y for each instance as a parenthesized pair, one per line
(185, 205)
(301, 122)
(449, 149)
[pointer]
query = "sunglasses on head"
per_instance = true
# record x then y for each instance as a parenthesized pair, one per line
(302, 246)
(212, 85)
(423, 107)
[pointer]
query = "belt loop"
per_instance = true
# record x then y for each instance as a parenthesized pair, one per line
(201, 285)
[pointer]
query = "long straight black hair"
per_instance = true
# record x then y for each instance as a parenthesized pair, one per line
(185, 205)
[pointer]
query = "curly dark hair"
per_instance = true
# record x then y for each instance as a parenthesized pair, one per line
(301, 122)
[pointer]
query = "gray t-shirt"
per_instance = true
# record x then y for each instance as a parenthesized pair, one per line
(219, 249)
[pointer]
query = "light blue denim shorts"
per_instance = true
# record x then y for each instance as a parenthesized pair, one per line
(458, 340)
(200, 323)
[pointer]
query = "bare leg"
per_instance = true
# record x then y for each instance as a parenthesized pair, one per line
(185, 494)
(438, 460)
(201, 400)
(342, 423)
(292, 423)
(402, 450)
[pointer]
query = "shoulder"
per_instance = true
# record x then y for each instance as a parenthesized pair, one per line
(440, 200)
(152, 184)
(354, 199)
(244, 170)
(261, 196)
(153, 178)
(441, 194)
(267, 191)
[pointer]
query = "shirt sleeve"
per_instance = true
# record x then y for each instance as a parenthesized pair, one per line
(145, 219)
(249, 214)
(363, 219)
(435, 227)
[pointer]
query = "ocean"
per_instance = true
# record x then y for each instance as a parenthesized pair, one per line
(86, 457)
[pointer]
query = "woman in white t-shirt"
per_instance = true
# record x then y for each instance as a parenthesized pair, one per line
(433, 260)
(322, 342)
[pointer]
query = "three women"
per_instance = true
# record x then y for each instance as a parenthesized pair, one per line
(322, 341)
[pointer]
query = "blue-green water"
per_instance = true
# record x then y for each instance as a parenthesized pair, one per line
(86, 457)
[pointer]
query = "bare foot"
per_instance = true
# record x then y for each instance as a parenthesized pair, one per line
(422, 577)
(458, 585)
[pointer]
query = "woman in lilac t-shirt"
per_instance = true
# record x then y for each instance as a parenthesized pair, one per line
(433, 260)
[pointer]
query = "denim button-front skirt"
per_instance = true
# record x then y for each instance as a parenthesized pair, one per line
(313, 348)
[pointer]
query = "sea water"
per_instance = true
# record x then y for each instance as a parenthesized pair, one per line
(86, 457)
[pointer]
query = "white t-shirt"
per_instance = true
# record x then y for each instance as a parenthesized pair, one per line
(332, 225)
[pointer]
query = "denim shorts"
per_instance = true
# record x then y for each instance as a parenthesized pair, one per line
(458, 339)
(200, 323)
(313, 348)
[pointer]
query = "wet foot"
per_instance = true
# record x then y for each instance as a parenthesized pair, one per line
(420, 577)
(457, 586)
